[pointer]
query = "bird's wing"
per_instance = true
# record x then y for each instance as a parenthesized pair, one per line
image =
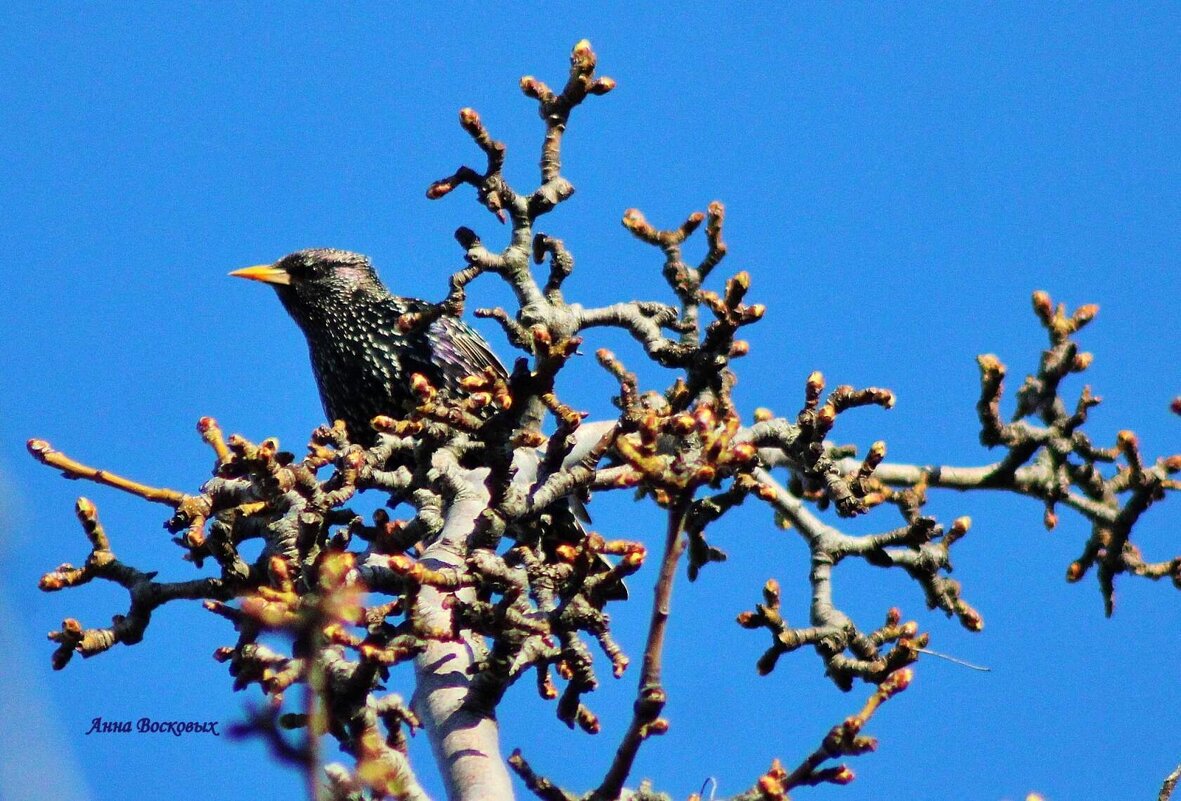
(458, 351)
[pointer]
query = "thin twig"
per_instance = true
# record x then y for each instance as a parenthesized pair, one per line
(650, 698)
(1166, 790)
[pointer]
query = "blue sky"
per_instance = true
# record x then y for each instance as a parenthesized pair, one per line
(898, 179)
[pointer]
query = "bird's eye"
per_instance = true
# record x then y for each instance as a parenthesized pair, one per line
(302, 270)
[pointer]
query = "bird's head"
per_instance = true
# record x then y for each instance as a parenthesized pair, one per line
(312, 283)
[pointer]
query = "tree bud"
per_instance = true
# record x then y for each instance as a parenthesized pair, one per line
(1042, 304)
(602, 86)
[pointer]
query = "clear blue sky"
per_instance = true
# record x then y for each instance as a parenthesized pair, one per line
(897, 178)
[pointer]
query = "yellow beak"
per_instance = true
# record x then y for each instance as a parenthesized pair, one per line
(267, 273)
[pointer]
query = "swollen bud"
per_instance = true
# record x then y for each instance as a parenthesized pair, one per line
(971, 619)
(744, 452)
(85, 510)
(990, 364)
(706, 473)
(438, 189)
(1084, 314)
(826, 415)
(602, 86)
(541, 334)
(469, 119)
(279, 569)
(843, 775)
(39, 448)
(1042, 304)
(897, 681)
(421, 385)
(705, 418)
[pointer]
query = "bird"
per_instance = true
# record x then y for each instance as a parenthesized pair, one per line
(363, 362)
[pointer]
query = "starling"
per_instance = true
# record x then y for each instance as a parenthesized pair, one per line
(362, 361)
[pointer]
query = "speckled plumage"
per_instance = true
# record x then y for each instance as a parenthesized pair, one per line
(361, 360)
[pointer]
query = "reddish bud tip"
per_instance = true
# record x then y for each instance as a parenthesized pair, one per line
(468, 117)
(826, 414)
(400, 563)
(990, 364)
(85, 509)
(744, 452)
(420, 383)
(438, 189)
(704, 418)
(602, 86)
(898, 681)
